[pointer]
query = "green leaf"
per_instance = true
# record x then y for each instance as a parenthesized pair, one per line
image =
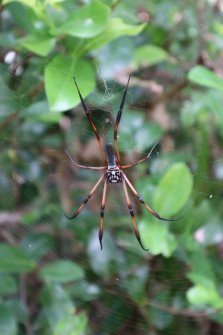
(7, 100)
(85, 291)
(57, 304)
(136, 287)
(102, 263)
(59, 84)
(19, 309)
(135, 133)
(148, 55)
(40, 111)
(204, 77)
(7, 321)
(202, 295)
(86, 22)
(173, 190)
(115, 28)
(153, 231)
(38, 244)
(31, 3)
(148, 135)
(8, 285)
(8, 40)
(36, 6)
(201, 266)
(14, 260)
(39, 44)
(61, 271)
(72, 325)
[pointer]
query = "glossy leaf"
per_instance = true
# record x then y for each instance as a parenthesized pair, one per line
(174, 190)
(31, 3)
(205, 77)
(86, 22)
(14, 260)
(148, 55)
(61, 271)
(101, 261)
(72, 325)
(85, 291)
(156, 237)
(35, 6)
(114, 29)
(59, 84)
(201, 295)
(38, 44)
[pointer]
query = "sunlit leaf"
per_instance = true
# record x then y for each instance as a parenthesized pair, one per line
(205, 77)
(114, 29)
(31, 3)
(72, 325)
(148, 55)
(14, 260)
(156, 237)
(86, 22)
(61, 271)
(38, 44)
(173, 190)
(201, 295)
(60, 89)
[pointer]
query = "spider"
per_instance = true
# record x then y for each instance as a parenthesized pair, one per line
(113, 171)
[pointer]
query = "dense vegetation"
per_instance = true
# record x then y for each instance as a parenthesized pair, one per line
(54, 279)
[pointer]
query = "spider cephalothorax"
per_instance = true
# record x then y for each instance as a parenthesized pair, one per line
(113, 172)
(114, 175)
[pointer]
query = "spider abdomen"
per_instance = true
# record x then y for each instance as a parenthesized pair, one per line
(114, 175)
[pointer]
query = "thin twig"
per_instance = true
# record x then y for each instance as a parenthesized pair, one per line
(184, 312)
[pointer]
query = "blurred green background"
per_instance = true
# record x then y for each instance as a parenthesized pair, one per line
(54, 279)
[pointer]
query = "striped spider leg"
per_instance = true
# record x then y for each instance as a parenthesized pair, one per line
(113, 173)
(88, 114)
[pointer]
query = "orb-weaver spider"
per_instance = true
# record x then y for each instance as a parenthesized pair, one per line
(113, 171)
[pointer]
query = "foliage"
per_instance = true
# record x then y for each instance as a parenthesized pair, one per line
(54, 278)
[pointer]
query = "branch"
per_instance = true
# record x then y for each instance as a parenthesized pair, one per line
(10, 218)
(184, 312)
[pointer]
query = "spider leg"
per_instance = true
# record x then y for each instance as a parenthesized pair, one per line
(132, 214)
(85, 200)
(102, 212)
(118, 118)
(141, 160)
(88, 114)
(83, 166)
(138, 196)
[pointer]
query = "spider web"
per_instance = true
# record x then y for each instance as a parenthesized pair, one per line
(104, 264)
